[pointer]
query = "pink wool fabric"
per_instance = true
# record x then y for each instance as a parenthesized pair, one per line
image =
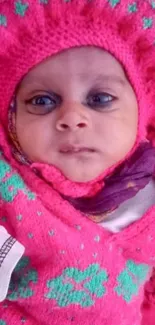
(73, 271)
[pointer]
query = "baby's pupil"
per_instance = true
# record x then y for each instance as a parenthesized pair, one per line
(43, 101)
(100, 98)
(96, 98)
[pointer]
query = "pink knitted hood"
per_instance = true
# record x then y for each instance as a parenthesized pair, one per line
(65, 276)
(30, 31)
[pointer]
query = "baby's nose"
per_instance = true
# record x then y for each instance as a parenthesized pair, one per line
(71, 121)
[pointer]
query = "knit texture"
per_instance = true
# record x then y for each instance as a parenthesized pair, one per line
(73, 270)
(47, 27)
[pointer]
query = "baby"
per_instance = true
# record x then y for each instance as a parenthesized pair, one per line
(77, 162)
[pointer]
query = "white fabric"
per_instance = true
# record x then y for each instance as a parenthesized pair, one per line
(10, 253)
(131, 210)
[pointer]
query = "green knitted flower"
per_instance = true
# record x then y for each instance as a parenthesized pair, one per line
(22, 279)
(78, 287)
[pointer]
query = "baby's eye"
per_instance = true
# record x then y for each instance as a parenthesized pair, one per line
(100, 100)
(43, 104)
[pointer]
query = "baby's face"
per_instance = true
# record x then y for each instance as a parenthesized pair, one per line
(78, 112)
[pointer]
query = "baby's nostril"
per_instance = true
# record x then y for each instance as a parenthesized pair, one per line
(81, 125)
(64, 126)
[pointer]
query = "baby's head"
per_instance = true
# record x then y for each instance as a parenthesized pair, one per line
(80, 89)
(78, 112)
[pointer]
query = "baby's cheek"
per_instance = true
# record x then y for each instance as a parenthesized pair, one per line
(26, 135)
(118, 138)
(36, 140)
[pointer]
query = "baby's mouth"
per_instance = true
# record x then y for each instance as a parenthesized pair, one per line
(72, 149)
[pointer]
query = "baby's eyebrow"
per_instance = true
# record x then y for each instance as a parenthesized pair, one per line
(30, 84)
(98, 80)
(110, 79)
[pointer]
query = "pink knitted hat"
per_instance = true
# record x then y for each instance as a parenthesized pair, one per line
(32, 30)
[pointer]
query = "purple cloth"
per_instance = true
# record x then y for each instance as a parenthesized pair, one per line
(133, 175)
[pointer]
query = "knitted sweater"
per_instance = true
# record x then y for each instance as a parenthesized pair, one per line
(73, 271)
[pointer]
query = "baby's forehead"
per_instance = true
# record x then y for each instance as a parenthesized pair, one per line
(85, 64)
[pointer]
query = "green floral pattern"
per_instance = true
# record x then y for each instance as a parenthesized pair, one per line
(22, 280)
(12, 184)
(78, 287)
(21, 8)
(130, 279)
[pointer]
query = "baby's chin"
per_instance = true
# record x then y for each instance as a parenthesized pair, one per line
(78, 171)
(81, 176)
